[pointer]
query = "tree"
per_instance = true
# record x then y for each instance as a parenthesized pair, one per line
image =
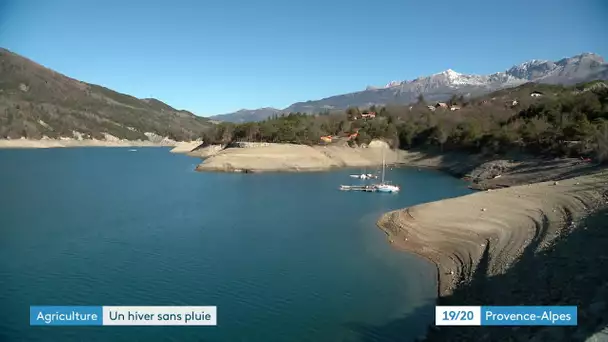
(421, 100)
(363, 138)
(224, 132)
(535, 126)
(407, 133)
(352, 113)
(452, 100)
(383, 112)
(392, 135)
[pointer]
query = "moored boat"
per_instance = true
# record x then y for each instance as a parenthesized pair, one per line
(385, 186)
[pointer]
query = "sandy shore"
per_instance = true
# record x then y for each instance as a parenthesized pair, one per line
(479, 237)
(455, 233)
(291, 157)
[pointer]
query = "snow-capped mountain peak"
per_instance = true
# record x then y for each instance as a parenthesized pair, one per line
(392, 84)
(452, 78)
(452, 73)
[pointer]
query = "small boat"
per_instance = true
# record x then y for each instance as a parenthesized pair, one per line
(132, 150)
(385, 186)
(364, 175)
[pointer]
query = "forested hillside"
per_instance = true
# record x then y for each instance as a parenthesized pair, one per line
(36, 102)
(536, 118)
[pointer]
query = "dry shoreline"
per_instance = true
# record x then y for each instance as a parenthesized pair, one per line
(479, 237)
(293, 158)
(454, 233)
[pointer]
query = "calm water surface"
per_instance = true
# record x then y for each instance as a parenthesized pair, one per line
(285, 257)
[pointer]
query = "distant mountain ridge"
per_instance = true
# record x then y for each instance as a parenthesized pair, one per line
(441, 86)
(247, 115)
(37, 102)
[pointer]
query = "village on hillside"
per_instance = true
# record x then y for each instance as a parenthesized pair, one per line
(354, 115)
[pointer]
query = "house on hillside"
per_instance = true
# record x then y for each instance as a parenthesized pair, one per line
(536, 94)
(370, 115)
(453, 108)
(514, 103)
(441, 104)
(431, 108)
(326, 138)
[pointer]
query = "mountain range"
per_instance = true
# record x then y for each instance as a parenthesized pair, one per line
(441, 86)
(37, 102)
(247, 115)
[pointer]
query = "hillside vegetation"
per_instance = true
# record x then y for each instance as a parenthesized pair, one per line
(36, 102)
(565, 121)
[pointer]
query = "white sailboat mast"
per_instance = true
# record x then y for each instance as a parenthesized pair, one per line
(383, 167)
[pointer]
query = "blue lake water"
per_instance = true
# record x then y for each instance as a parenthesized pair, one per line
(284, 257)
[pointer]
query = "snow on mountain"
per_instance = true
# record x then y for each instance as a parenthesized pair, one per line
(567, 70)
(392, 84)
(580, 68)
(453, 79)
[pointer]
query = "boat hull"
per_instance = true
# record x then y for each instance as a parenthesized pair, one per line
(387, 188)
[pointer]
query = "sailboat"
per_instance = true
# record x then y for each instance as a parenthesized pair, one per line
(386, 186)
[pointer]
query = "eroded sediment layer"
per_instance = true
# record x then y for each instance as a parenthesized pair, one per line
(494, 226)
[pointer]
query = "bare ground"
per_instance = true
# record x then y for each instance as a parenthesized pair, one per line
(292, 157)
(511, 234)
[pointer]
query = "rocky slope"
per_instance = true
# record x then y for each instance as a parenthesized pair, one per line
(37, 102)
(538, 244)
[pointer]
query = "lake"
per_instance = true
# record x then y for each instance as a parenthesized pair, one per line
(284, 256)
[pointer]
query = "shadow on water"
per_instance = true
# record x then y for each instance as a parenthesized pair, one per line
(398, 330)
(572, 271)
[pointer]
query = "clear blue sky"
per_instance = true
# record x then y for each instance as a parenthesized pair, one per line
(217, 56)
